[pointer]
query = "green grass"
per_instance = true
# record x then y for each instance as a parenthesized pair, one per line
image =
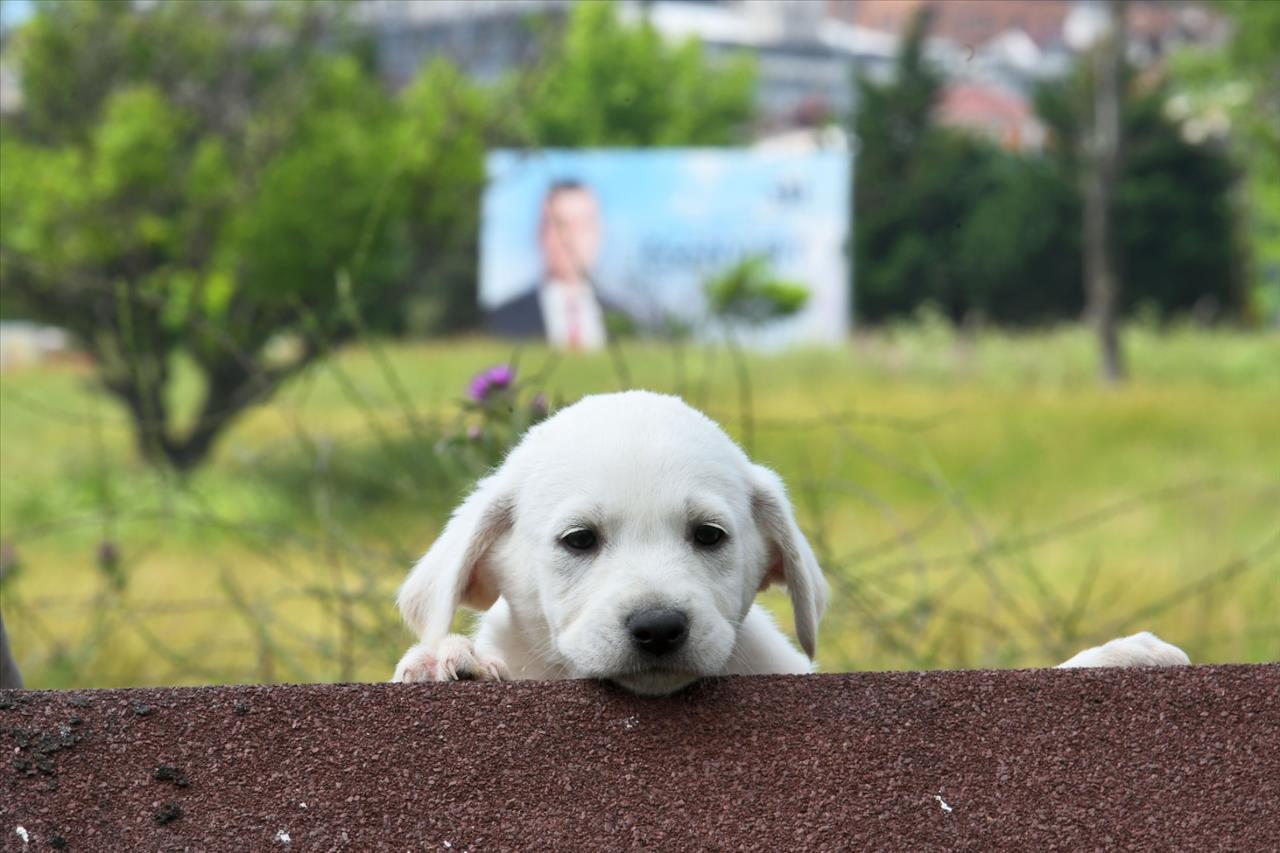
(977, 502)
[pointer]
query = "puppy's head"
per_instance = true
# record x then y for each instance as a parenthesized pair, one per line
(629, 536)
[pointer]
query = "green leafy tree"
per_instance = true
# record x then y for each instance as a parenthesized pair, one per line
(447, 123)
(942, 217)
(1017, 252)
(891, 127)
(197, 179)
(1236, 91)
(610, 83)
(916, 187)
(1175, 238)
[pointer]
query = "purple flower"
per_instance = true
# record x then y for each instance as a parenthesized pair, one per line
(474, 432)
(486, 382)
(108, 554)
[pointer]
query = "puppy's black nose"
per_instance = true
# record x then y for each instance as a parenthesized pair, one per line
(658, 632)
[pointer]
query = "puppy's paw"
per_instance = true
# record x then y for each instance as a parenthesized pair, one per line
(417, 665)
(458, 660)
(1142, 649)
(452, 659)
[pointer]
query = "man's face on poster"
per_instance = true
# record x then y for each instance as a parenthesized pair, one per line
(570, 233)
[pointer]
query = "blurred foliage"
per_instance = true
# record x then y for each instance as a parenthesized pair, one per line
(612, 83)
(750, 292)
(197, 178)
(944, 218)
(1175, 240)
(448, 123)
(949, 219)
(230, 183)
(1236, 91)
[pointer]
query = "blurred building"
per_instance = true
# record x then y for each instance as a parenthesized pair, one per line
(23, 343)
(10, 90)
(1005, 117)
(1040, 32)
(485, 38)
(10, 86)
(808, 52)
(994, 52)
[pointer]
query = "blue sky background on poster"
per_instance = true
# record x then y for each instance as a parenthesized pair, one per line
(674, 217)
(14, 12)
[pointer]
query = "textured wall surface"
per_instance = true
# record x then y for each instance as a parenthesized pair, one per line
(1186, 758)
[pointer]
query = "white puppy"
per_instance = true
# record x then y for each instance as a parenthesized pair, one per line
(625, 539)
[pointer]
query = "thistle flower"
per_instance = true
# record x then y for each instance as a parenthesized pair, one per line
(487, 382)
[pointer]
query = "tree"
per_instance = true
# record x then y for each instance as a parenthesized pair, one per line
(916, 189)
(1234, 92)
(946, 218)
(612, 83)
(1176, 247)
(197, 179)
(1102, 163)
(447, 123)
(1017, 256)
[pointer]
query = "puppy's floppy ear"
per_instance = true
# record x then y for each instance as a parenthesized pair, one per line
(791, 560)
(456, 569)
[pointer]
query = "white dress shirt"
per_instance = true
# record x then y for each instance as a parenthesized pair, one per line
(572, 316)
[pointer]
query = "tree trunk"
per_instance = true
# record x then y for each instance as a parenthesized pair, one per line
(1102, 162)
(230, 390)
(143, 396)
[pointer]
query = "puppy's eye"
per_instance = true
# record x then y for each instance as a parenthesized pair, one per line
(708, 535)
(580, 539)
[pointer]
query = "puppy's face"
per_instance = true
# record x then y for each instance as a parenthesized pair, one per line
(629, 536)
(637, 549)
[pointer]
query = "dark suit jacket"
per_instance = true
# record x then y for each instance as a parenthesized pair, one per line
(521, 317)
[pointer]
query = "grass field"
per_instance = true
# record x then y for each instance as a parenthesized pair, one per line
(976, 502)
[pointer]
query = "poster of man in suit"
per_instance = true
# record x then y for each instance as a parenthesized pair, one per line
(576, 243)
(562, 305)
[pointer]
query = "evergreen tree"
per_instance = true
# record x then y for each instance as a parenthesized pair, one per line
(1176, 235)
(943, 217)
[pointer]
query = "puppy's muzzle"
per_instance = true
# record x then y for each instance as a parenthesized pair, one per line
(658, 632)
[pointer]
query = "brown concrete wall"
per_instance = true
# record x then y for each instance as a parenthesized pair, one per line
(1181, 759)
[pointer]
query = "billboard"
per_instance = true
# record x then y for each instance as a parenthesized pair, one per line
(572, 238)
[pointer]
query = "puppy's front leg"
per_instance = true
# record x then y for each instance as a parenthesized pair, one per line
(1141, 649)
(452, 659)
